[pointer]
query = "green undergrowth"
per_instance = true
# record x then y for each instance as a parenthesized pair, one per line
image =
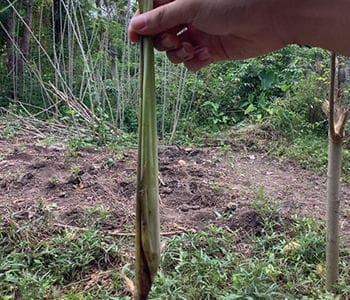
(40, 260)
(276, 265)
(311, 152)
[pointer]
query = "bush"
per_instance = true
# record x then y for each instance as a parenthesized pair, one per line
(300, 110)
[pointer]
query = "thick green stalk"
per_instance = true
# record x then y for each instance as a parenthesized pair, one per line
(147, 210)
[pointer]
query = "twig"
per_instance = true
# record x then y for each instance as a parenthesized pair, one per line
(116, 233)
(161, 180)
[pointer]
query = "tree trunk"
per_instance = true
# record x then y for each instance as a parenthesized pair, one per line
(333, 204)
(338, 116)
(25, 43)
(11, 54)
(58, 15)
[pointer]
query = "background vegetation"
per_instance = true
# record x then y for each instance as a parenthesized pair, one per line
(68, 67)
(71, 63)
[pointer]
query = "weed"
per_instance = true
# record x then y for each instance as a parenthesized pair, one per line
(10, 132)
(263, 203)
(109, 162)
(75, 144)
(32, 266)
(75, 170)
(214, 186)
(96, 216)
(225, 149)
(122, 141)
(53, 181)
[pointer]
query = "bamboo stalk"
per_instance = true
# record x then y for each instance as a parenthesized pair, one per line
(147, 210)
(337, 119)
(333, 204)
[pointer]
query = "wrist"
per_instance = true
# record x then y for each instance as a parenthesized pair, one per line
(319, 23)
(286, 16)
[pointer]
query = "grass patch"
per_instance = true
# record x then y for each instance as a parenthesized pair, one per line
(311, 152)
(38, 260)
(207, 265)
(286, 261)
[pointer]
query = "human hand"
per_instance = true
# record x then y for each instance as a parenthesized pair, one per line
(215, 30)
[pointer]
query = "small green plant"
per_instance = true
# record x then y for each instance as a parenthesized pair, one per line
(54, 181)
(225, 149)
(37, 260)
(76, 143)
(214, 186)
(75, 170)
(311, 152)
(96, 216)
(109, 162)
(216, 116)
(122, 141)
(262, 202)
(300, 111)
(9, 132)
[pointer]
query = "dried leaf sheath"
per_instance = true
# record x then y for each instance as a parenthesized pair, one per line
(147, 210)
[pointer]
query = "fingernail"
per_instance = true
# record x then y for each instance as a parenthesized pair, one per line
(138, 22)
(203, 54)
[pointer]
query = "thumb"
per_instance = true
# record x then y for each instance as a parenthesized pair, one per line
(163, 18)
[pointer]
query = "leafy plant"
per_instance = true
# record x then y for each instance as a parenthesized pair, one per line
(267, 273)
(300, 111)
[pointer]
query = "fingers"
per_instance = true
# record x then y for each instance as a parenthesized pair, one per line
(201, 59)
(185, 53)
(193, 59)
(167, 42)
(132, 34)
(165, 22)
(182, 52)
(195, 64)
(162, 18)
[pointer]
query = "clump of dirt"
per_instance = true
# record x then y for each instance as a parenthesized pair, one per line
(251, 222)
(198, 186)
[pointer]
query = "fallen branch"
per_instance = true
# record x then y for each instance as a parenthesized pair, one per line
(119, 233)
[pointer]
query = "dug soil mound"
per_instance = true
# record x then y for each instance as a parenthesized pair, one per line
(198, 186)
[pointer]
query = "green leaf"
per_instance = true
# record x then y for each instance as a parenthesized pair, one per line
(250, 109)
(267, 78)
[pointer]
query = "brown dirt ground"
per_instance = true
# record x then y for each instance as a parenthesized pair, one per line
(197, 186)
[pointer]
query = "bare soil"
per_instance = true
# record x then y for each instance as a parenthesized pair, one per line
(198, 186)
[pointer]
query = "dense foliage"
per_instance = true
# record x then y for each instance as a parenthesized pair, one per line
(81, 70)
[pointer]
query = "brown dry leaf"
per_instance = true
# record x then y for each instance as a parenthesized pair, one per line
(291, 246)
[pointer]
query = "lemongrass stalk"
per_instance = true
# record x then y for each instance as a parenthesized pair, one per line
(147, 210)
